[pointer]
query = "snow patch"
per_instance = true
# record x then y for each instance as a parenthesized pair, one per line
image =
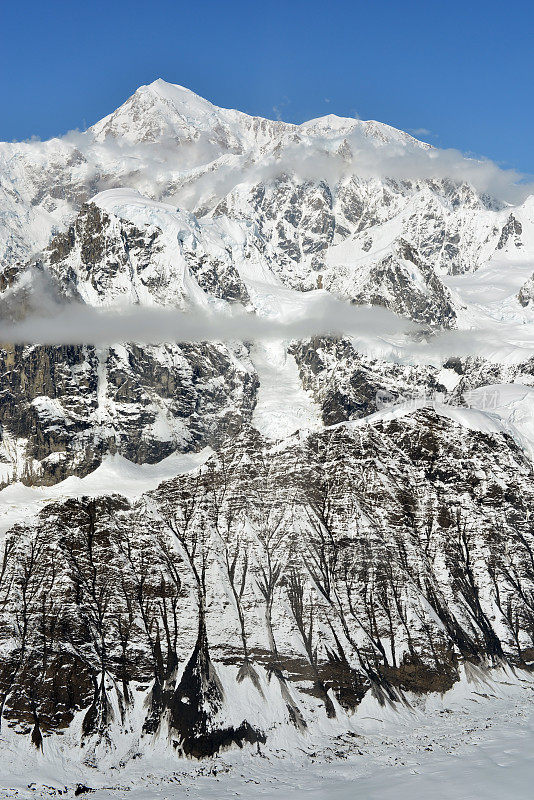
(115, 475)
(283, 406)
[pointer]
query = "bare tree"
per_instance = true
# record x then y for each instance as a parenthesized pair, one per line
(23, 598)
(88, 553)
(459, 549)
(227, 514)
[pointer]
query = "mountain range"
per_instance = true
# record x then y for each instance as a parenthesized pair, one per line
(209, 544)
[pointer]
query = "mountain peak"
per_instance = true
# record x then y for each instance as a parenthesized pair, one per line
(162, 110)
(175, 93)
(155, 111)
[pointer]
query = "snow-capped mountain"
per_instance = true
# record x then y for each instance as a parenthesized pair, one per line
(211, 543)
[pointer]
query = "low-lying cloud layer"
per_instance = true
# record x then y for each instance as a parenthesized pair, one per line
(367, 160)
(74, 323)
(188, 172)
(374, 330)
(315, 160)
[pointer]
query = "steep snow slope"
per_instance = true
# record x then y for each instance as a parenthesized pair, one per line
(511, 402)
(491, 293)
(473, 742)
(283, 406)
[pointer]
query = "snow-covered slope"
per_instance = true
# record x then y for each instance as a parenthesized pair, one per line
(271, 589)
(240, 543)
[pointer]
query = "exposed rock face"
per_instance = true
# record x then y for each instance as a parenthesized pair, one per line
(8, 277)
(63, 408)
(48, 397)
(403, 283)
(380, 556)
(526, 293)
(347, 385)
(101, 256)
(511, 231)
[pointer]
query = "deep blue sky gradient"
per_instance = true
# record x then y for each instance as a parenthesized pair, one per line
(461, 70)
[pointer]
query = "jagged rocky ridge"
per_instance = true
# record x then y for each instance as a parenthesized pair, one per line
(63, 408)
(284, 580)
(348, 385)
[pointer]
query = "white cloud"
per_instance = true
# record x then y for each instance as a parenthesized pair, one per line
(420, 131)
(74, 323)
(374, 330)
(396, 160)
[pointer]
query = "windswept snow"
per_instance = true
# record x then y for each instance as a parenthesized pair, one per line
(514, 418)
(512, 402)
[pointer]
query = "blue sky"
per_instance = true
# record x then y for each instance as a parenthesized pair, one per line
(463, 71)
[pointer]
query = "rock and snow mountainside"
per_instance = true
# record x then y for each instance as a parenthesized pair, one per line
(224, 543)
